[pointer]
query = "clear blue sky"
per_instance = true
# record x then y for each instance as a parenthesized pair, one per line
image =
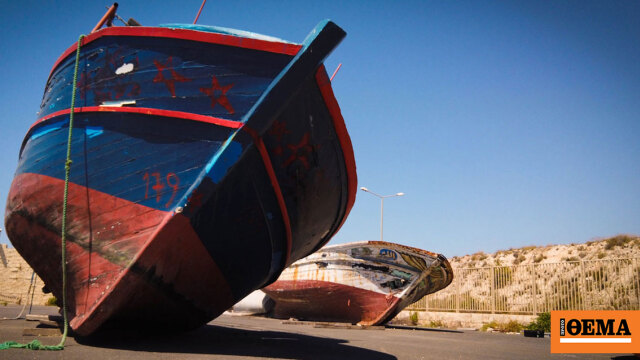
(505, 123)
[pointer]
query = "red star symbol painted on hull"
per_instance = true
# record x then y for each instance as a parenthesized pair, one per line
(300, 151)
(218, 95)
(278, 130)
(175, 77)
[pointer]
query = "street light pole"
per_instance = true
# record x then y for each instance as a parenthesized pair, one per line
(382, 197)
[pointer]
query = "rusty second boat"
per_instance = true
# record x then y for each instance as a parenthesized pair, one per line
(367, 283)
(204, 161)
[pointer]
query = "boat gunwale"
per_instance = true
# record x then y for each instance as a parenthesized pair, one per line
(133, 110)
(145, 111)
(182, 34)
(382, 243)
(339, 126)
(339, 261)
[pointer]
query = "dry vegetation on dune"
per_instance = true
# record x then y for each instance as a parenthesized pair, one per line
(616, 247)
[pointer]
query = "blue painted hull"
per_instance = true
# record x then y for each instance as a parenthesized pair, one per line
(203, 165)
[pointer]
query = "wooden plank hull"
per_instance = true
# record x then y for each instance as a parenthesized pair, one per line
(196, 177)
(367, 283)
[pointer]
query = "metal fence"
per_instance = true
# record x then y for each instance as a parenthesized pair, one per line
(535, 288)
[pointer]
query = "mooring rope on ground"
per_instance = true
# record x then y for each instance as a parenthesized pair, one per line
(35, 344)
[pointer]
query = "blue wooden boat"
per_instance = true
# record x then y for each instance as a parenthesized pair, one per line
(204, 162)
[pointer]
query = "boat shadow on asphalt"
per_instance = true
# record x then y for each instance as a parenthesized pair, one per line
(220, 340)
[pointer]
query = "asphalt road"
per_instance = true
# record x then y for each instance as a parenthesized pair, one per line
(235, 337)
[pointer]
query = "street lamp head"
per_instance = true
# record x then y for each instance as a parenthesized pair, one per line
(381, 204)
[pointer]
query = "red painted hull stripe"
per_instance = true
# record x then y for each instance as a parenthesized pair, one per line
(185, 34)
(147, 111)
(276, 188)
(343, 137)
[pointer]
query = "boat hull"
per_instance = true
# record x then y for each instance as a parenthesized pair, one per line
(367, 283)
(173, 216)
(330, 301)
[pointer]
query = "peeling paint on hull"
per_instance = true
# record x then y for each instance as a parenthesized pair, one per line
(367, 283)
(202, 165)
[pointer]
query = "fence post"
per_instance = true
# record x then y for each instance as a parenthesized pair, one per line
(458, 296)
(426, 303)
(636, 276)
(534, 293)
(583, 282)
(492, 290)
